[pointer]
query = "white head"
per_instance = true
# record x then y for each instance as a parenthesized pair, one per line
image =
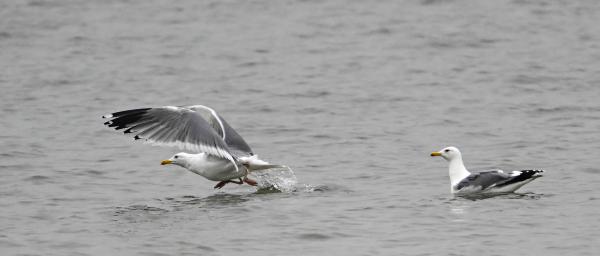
(456, 168)
(449, 153)
(181, 159)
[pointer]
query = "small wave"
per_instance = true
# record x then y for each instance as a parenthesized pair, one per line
(325, 188)
(5, 35)
(314, 236)
(37, 178)
(308, 94)
(95, 172)
(560, 109)
(379, 31)
(220, 200)
(139, 208)
(311, 110)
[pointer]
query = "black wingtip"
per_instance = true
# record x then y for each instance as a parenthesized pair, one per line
(534, 171)
(128, 112)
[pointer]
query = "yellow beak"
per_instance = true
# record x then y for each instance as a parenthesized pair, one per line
(163, 162)
(436, 154)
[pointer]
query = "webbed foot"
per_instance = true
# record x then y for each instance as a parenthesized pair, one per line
(250, 182)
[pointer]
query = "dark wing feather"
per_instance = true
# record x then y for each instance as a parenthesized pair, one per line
(522, 175)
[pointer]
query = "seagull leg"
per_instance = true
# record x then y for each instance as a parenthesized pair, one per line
(239, 182)
(223, 183)
(249, 181)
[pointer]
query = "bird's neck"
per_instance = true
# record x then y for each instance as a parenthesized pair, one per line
(195, 163)
(457, 171)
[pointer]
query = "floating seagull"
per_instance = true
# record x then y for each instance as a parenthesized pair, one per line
(220, 153)
(492, 181)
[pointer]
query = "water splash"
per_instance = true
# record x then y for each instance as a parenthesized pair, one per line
(276, 180)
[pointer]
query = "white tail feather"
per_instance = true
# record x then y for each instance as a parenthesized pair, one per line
(255, 164)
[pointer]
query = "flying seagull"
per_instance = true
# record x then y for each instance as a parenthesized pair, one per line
(490, 181)
(219, 152)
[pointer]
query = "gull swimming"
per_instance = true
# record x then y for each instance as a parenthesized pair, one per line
(490, 181)
(219, 152)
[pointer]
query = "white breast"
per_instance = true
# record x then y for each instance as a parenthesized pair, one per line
(214, 168)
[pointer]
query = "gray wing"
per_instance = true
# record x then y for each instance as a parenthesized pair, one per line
(171, 126)
(496, 178)
(483, 180)
(234, 141)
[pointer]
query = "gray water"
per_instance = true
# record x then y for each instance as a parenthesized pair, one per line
(353, 95)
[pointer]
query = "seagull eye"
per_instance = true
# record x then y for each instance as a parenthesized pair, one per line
(447, 150)
(176, 157)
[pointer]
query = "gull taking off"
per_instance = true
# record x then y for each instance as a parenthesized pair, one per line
(490, 181)
(219, 152)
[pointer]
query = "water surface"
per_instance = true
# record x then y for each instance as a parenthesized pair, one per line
(353, 95)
